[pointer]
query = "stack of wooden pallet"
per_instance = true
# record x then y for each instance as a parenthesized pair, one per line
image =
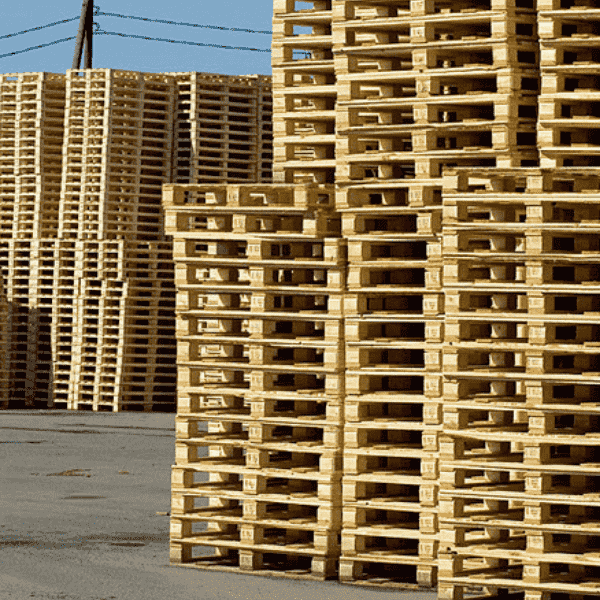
(117, 154)
(86, 262)
(569, 121)
(31, 135)
(393, 326)
(519, 468)
(223, 130)
(260, 275)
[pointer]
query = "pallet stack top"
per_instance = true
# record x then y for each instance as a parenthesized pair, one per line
(222, 128)
(568, 121)
(304, 93)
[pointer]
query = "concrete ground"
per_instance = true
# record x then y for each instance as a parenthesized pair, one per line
(79, 497)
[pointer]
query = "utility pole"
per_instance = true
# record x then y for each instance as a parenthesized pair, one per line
(84, 33)
(89, 27)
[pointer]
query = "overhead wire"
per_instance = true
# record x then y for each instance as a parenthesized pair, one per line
(38, 28)
(219, 27)
(38, 47)
(143, 37)
(98, 31)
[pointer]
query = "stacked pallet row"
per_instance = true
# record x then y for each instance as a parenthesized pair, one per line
(112, 326)
(112, 277)
(519, 474)
(31, 112)
(304, 92)
(5, 346)
(260, 273)
(223, 130)
(432, 84)
(569, 121)
(117, 154)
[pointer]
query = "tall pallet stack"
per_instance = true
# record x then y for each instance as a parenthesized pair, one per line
(304, 92)
(113, 276)
(223, 130)
(421, 86)
(393, 305)
(260, 273)
(569, 130)
(519, 471)
(31, 134)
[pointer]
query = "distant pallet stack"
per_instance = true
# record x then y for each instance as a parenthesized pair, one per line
(519, 456)
(223, 130)
(112, 271)
(304, 92)
(149, 343)
(569, 121)
(117, 154)
(31, 134)
(260, 273)
(32, 116)
(5, 346)
(86, 262)
(89, 289)
(113, 326)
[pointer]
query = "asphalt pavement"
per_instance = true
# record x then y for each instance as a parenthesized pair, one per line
(80, 494)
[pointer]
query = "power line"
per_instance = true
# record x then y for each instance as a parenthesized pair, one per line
(143, 37)
(38, 28)
(222, 28)
(37, 47)
(97, 11)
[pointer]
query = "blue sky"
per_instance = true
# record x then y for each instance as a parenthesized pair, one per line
(134, 54)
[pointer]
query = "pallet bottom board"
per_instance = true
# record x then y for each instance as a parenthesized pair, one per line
(373, 582)
(213, 565)
(376, 582)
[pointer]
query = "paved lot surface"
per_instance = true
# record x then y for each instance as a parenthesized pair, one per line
(79, 493)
